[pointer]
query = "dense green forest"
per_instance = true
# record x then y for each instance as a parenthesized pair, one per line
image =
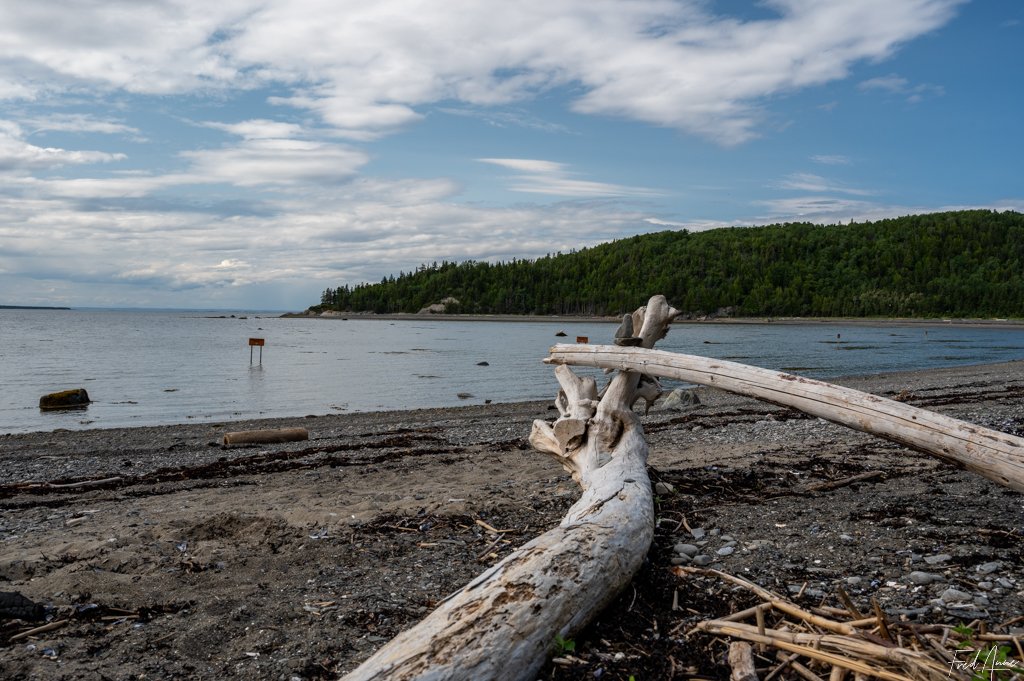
(963, 264)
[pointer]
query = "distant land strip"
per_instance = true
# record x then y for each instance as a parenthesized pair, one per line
(31, 307)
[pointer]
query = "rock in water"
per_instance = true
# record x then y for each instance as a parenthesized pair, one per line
(65, 399)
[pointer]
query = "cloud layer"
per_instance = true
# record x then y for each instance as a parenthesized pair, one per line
(366, 67)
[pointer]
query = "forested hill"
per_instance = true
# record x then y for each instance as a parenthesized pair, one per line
(963, 264)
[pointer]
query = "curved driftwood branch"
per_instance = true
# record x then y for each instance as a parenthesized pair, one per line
(503, 624)
(990, 453)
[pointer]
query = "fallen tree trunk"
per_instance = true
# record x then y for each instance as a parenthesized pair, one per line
(995, 455)
(504, 623)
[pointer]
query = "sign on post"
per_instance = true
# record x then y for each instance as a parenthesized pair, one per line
(256, 342)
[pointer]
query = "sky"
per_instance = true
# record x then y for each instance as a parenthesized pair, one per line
(250, 153)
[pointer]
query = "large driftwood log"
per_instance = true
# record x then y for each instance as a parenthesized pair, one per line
(504, 623)
(995, 455)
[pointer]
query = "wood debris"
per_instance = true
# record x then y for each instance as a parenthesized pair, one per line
(814, 645)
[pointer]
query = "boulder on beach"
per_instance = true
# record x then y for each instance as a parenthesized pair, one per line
(65, 399)
(680, 399)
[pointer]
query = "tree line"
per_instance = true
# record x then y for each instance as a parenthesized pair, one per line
(962, 264)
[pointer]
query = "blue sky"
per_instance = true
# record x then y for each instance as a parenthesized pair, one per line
(251, 153)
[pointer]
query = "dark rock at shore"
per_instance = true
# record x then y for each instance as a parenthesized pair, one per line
(65, 399)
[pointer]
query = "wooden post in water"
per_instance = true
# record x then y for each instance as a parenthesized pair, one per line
(256, 342)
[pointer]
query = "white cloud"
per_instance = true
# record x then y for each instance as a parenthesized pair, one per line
(18, 155)
(80, 123)
(527, 165)
(358, 233)
(831, 159)
(259, 129)
(809, 182)
(898, 85)
(365, 68)
(152, 47)
(696, 225)
(551, 178)
(507, 118)
(278, 162)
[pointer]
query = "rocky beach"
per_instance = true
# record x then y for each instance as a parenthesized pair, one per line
(159, 553)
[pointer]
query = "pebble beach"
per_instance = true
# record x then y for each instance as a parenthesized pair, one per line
(163, 553)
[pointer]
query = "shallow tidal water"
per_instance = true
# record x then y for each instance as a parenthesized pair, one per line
(145, 367)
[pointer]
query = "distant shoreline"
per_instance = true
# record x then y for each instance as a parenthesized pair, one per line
(566, 319)
(32, 307)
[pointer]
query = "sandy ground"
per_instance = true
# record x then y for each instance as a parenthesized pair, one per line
(157, 553)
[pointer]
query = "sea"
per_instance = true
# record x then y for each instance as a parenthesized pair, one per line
(158, 367)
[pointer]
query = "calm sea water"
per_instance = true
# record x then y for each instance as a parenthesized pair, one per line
(150, 367)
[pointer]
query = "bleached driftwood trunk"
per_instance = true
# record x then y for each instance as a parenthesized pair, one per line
(990, 453)
(503, 624)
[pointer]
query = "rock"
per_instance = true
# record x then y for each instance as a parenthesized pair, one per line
(690, 550)
(625, 329)
(663, 488)
(442, 307)
(923, 578)
(702, 560)
(624, 334)
(65, 399)
(853, 581)
(988, 568)
(936, 559)
(680, 559)
(698, 533)
(679, 400)
(15, 606)
(1005, 583)
(952, 595)
(483, 364)
(913, 612)
(726, 551)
